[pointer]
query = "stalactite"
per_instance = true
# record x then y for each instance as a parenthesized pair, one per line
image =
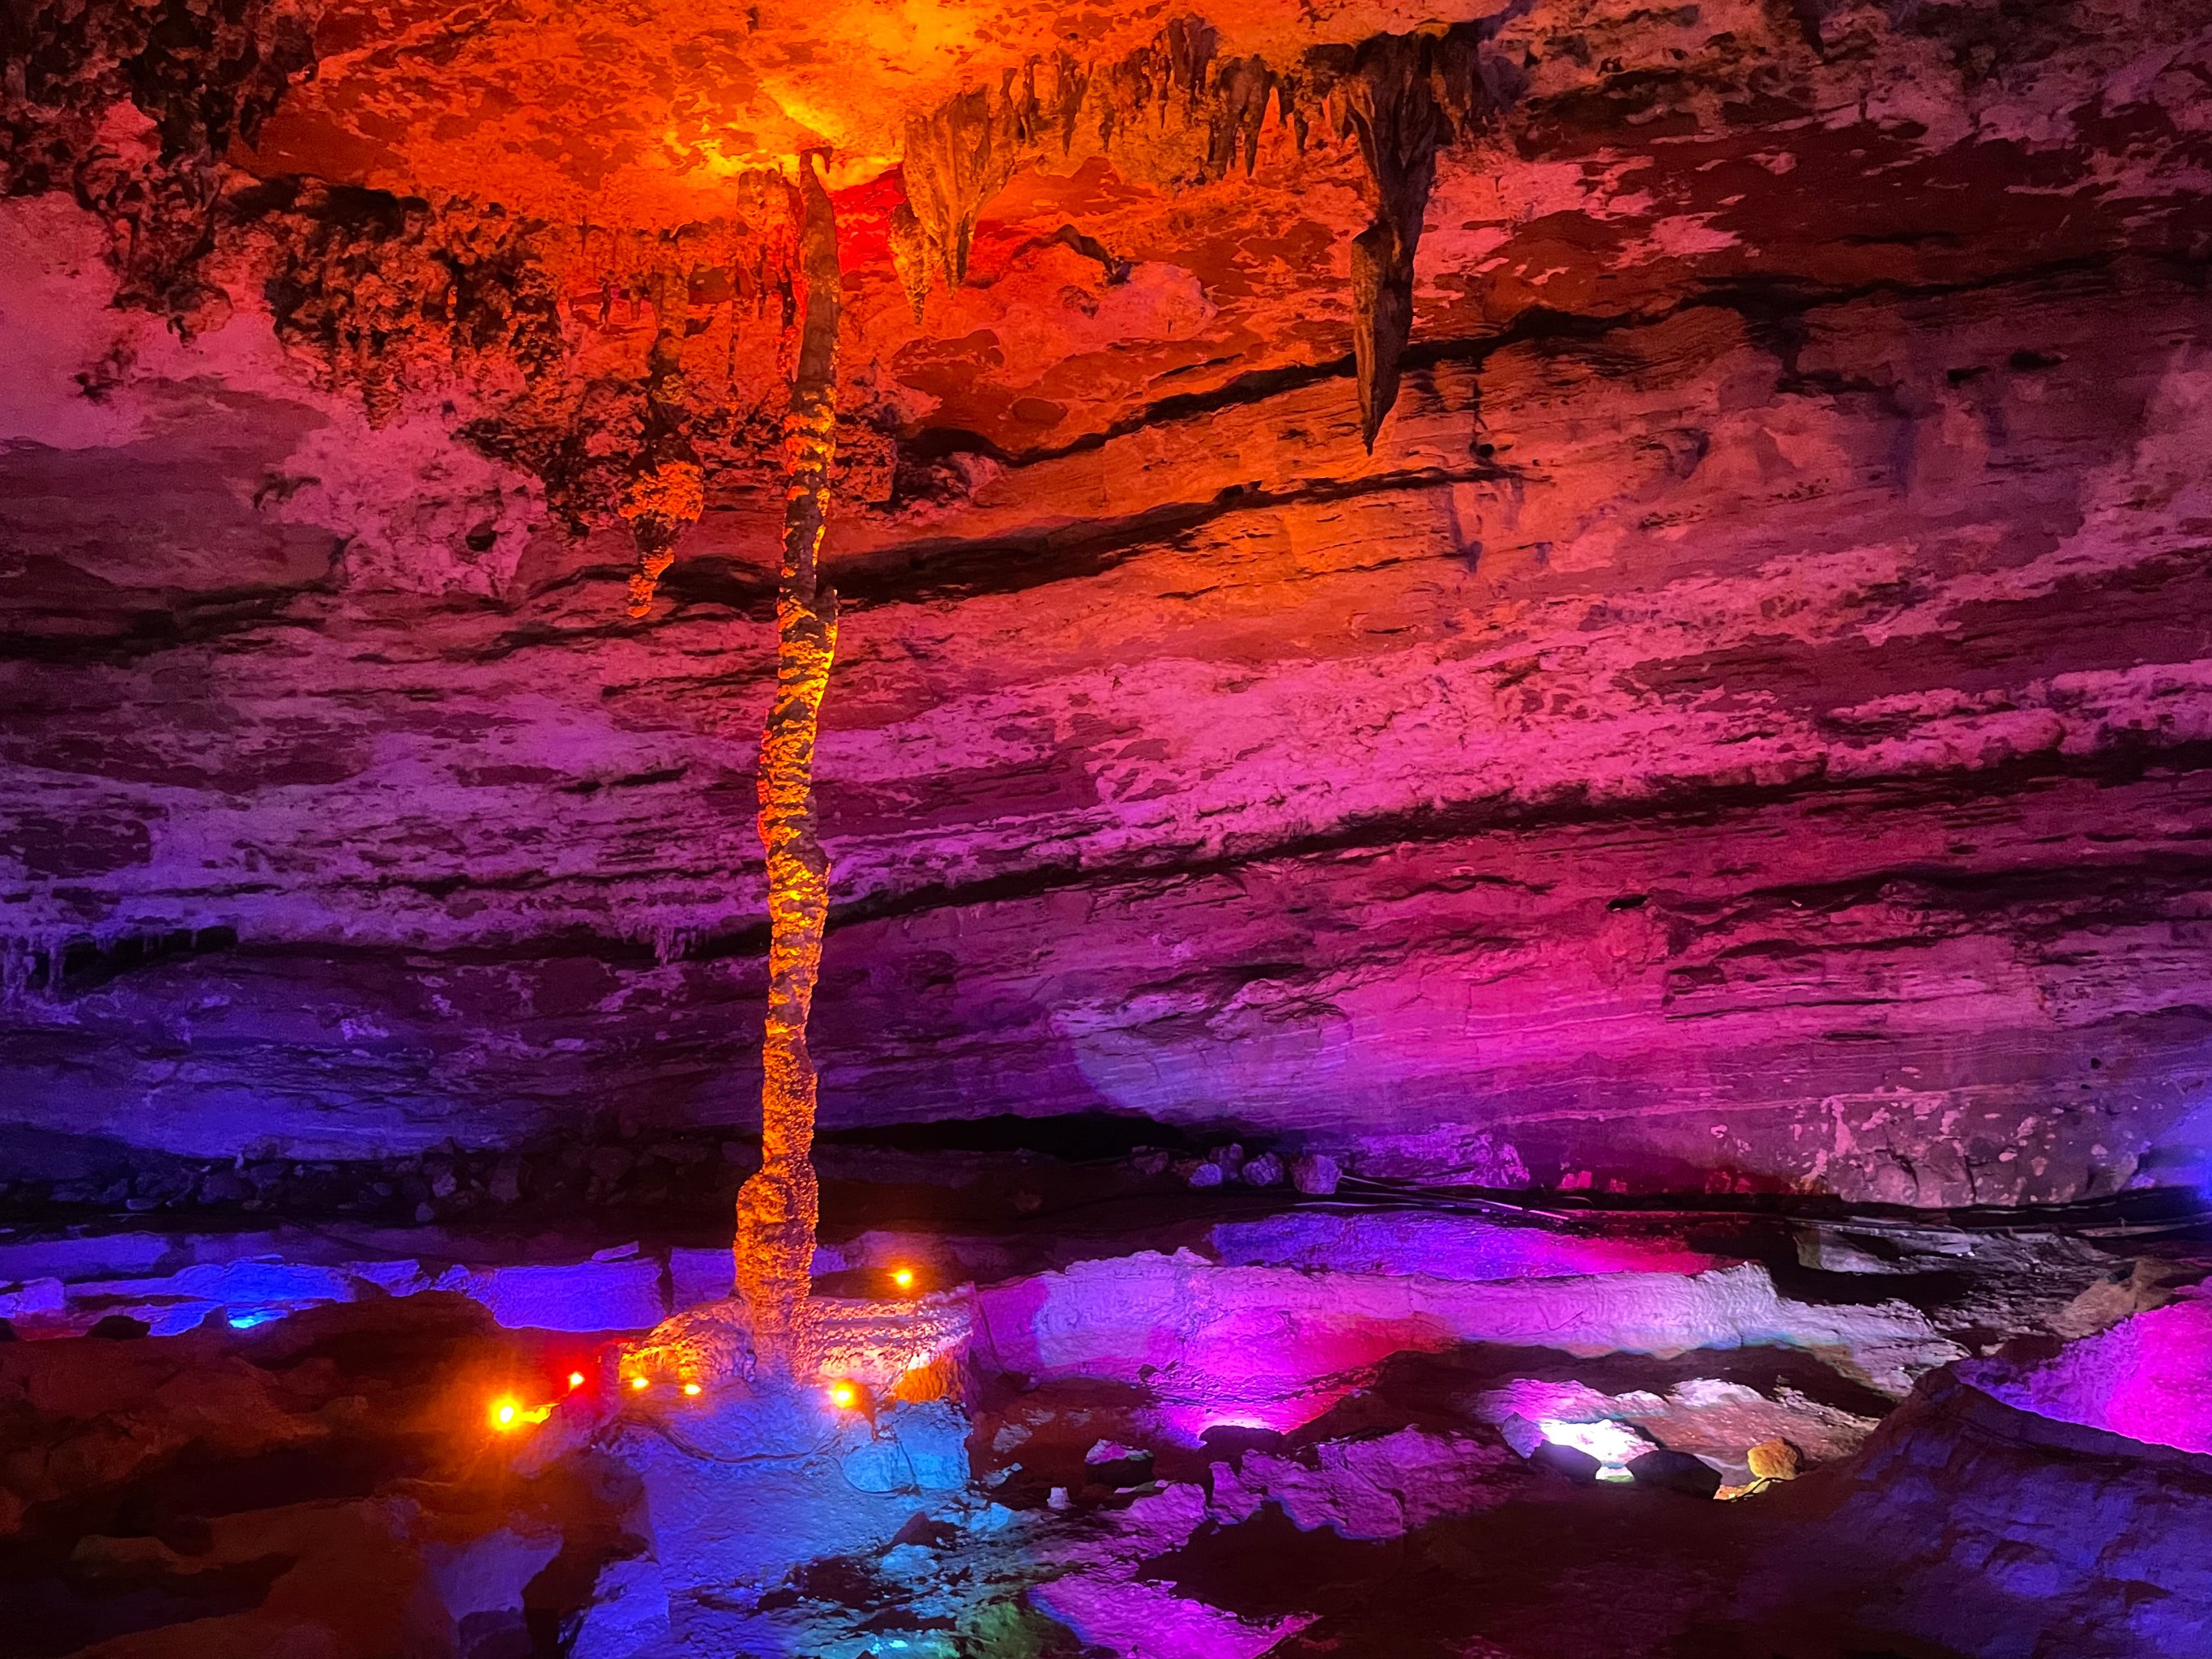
(1241, 92)
(1071, 84)
(957, 159)
(1389, 105)
(910, 255)
(666, 490)
(1405, 95)
(1190, 46)
(778, 1208)
(192, 77)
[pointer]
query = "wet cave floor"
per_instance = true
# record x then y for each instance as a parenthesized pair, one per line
(1317, 1430)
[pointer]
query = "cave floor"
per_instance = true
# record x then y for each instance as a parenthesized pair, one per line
(1341, 1433)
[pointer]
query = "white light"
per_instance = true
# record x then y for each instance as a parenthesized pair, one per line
(1613, 1444)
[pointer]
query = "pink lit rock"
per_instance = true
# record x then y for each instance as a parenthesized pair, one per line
(2148, 1377)
(1443, 1246)
(1100, 1596)
(1275, 1347)
(1315, 1173)
(1689, 753)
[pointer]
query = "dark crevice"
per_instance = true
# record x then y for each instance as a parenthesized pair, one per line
(1681, 807)
(1014, 564)
(85, 963)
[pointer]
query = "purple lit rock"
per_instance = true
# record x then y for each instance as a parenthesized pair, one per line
(1374, 1488)
(1315, 1175)
(1982, 1530)
(2148, 1377)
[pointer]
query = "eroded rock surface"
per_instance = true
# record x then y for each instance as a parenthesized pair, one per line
(1741, 728)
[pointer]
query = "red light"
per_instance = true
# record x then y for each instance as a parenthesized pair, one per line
(575, 1380)
(903, 1277)
(844, 1395)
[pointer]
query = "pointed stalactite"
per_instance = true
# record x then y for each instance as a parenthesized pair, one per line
(1241, 93)
(1405, 96)
(911, 257)
(666, 490)
(1389, 105)
(957, 159)
(1071, 81)
(1191, 43)
(779, 1207)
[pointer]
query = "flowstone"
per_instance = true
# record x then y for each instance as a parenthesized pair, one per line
(758, 1485)
(746, 1490)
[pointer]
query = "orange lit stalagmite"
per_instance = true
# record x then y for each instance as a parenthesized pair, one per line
(777, 1209)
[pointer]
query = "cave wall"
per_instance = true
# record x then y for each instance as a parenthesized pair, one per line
(1743, 728)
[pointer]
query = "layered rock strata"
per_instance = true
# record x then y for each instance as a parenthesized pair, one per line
(1742, 727)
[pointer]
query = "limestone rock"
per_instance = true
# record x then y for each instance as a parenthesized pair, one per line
(1740, 727)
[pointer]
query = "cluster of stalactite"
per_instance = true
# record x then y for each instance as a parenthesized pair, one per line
(131, 106)
(778, 1208)
(961, 154)
(666, 490)
(393, 295)
(390, 295)
(1402, 96)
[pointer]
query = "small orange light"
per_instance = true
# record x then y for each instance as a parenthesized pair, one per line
(843, 1395)
(640, 1382)
(902, 1277)
(692, 1388)
(506, 1414)
(575, 1379)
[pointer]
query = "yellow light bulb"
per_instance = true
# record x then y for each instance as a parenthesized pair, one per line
(842, 1394)
(503, 1414)
(575, 1379)
(639, 1382)
(692, 1388)
(902, 1277)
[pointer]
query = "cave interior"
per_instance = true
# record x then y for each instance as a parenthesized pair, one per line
(1199, 829)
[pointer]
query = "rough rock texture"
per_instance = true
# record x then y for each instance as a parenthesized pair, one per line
(1743, 728)
(1275, 1347)
(1977, 1530)
(2145, 1378)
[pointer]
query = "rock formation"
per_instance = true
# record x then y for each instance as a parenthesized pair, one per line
(1405, 95)
(779, 1207)
(1742, 727)
(1519, 760)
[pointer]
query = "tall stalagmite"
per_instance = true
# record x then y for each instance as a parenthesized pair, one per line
(778, 1208)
